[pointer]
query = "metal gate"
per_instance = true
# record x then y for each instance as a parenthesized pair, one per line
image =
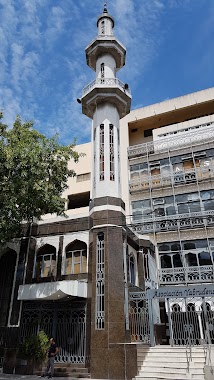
(65, 322)
(190, 318)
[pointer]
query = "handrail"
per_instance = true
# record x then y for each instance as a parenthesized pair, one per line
(105, 82)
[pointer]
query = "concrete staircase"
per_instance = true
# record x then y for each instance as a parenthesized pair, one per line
(74, 371)
(166, 362)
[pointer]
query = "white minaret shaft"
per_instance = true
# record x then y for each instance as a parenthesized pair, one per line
(106, 100)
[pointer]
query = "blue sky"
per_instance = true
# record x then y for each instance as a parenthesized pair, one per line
(170, 52)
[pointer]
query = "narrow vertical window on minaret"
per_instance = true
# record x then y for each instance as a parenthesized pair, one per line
(103, 27)
(111, 151)
(100, 282)
(102, 72)
(101, 152)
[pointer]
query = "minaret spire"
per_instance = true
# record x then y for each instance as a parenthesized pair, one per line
(105, 8)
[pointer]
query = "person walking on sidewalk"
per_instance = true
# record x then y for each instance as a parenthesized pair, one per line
(52, 352)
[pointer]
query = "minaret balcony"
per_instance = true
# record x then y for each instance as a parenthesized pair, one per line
(102, 45)
(102, 90)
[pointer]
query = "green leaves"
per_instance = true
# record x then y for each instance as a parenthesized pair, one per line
(33, 174)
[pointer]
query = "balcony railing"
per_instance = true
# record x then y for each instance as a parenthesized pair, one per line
(172, 179)
(180, 140)
(186, 275)
(105, 82)
(174, 222)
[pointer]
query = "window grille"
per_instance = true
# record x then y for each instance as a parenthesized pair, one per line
(102, 152)
(111, 151)
(100, 282)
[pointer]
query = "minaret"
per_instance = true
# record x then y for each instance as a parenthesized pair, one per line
(106, 100)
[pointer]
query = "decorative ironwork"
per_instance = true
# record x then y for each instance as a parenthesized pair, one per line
(65, 321)
(139, 324)
(105, 82)
(178, 221)
(111, 151)
(186, 274)
(100, 282)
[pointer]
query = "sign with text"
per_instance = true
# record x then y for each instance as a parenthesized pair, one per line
(182, 291)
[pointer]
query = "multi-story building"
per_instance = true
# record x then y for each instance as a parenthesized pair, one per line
(139, 232)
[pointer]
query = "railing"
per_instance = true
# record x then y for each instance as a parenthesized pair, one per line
(105, 82)
(180, 140)
(186, 274)
(139, 324)
(174, 222)
(172, 179)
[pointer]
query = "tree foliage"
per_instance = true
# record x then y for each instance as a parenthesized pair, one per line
(35, 346)
(33, 174)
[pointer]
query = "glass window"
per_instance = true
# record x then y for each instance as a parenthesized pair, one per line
(175, 247)
(137, 215)
(208, 205)
(181, 198)
(191, 260)
(163, 248)
(194, 207)
(76, 258)
(205, 195)
(193, 196)
(166, 261)
(183, 208)
(45, 263)
(170, 210)
(177, 263)
(189, 245)
(204, 258)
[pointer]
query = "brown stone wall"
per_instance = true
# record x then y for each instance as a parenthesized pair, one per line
(109, 357)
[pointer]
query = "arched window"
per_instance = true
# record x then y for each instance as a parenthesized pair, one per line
(45, 262)
(177, 263)
(76, 258)
(191, 260)
(7, 268)
(204, 258)
(166, 261)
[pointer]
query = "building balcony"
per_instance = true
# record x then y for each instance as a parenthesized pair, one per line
(172, 179)
(174, 222)
(105, 82)
(204, 134)
(186, 275)
(110, 90)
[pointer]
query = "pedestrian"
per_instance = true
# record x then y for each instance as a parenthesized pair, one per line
(51, 352)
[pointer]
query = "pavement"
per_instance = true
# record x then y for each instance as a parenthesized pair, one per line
(4, 376)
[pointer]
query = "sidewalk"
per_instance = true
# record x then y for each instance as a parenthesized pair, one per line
(4, 376)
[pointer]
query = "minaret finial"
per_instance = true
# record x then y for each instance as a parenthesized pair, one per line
(105, 8)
